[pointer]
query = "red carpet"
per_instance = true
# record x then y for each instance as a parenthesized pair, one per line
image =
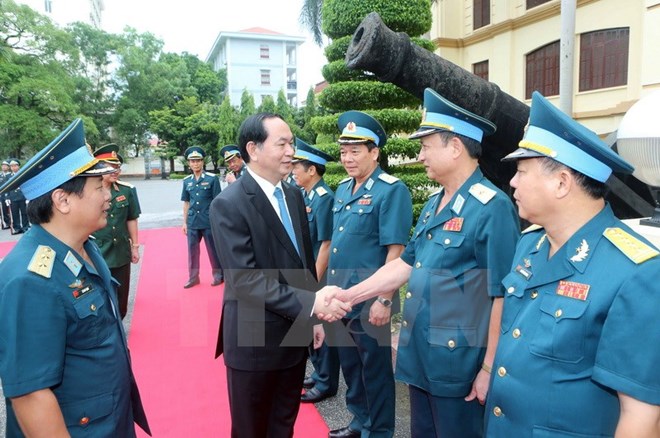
(172, 341)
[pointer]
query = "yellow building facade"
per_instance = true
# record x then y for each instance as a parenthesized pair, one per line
(515, 44)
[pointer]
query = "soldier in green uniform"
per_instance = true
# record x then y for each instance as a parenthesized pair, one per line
(118, 240)
(233, 160)
(578, 351)
(199, 189)
(64, 362)
(308, 170)
(371, 225)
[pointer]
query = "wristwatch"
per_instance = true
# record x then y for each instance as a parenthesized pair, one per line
(384, 301)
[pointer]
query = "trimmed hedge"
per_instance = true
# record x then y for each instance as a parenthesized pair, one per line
(342, 17)
(362, 95)
(394, 120)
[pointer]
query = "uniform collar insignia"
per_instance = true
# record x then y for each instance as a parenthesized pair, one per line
(458, 204)
(72, 263)
(581, 252)
(369, 184)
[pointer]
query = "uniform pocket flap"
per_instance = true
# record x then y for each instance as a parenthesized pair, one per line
(453, 337)
(362, 209)
(449, 240)
(88, 305)
(563, 308)
(84, 412)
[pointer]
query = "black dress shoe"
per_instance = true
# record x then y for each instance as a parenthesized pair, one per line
(344, 432)
(308, 383)
(192, 282)
(313, 395)
(217, 281)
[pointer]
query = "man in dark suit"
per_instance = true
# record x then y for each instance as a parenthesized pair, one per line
(266, 252)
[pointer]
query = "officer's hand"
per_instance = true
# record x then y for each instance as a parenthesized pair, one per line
(185, 229)
(379, 314)
(319, 336)
(230, 178)
(479, 387)
(135, 254)
(328, 308)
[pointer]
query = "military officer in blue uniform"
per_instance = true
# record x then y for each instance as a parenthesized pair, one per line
(371, 225)
(461, 249)
(118, 240)
(199, 189)
(308, 170)
(233, 160)
(64, 362)
(17, 203)
(578, 352)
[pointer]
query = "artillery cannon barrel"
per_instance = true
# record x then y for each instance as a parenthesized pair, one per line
(393, 57)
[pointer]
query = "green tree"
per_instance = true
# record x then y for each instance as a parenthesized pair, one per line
(311, 18)
(394, 108)
(36, 86)
(247, 105)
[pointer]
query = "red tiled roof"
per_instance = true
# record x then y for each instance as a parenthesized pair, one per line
(260, 30)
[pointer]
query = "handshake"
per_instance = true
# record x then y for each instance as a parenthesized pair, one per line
(332, 303)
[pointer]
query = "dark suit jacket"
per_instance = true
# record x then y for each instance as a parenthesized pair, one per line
(268, 297)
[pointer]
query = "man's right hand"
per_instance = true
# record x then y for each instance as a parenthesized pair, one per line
(327, 307)
(185, 228)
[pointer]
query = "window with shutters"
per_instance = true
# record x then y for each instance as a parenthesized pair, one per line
(264, 51)
(604, 58)
(480, 13)
(533, 3)
(542, 71)
(265, 77)
(481, 69)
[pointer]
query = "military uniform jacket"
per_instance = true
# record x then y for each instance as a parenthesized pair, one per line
(576, 328)
(199, 193)
(59, 329)
(113, 239)
(318, 204)
(15, 195)
(459, 258)
(378, 214)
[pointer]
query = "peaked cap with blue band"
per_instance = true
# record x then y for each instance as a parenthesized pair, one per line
(194, 153)
(551, 133)
(64, 158)
(230, 151)
(358, 127)
(109, 153)
(442, 115)
(305, 152)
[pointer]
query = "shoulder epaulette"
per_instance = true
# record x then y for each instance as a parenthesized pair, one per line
(482, 193)
(321, 191)
(347, 179)
(189, 176)
(388, 178)
(42, 261)
(123, 183)
(531, 228)
(631, 246)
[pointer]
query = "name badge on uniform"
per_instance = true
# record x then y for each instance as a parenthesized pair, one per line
(524, 272)
(120, 198)
(571, 289)
(80, 288)
(454, 224)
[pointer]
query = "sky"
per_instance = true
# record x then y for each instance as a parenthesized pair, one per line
(193, 25)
